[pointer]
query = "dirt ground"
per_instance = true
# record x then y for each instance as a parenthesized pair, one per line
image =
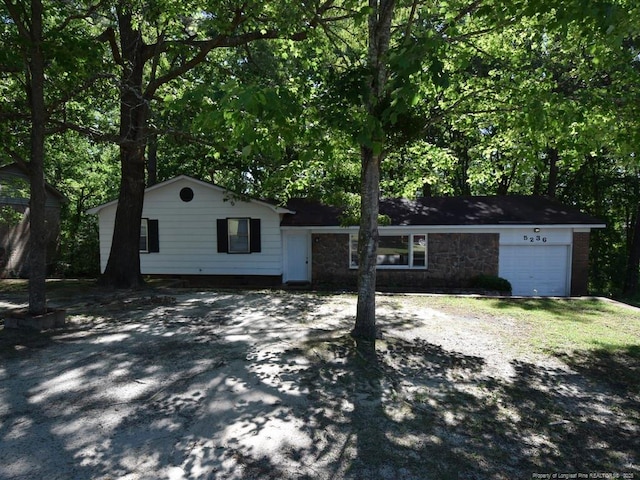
(185, 384)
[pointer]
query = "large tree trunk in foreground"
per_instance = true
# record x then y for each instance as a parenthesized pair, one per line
(379, 37)
(633, 260)
(365, 326)
(37, 229)
(123, 266)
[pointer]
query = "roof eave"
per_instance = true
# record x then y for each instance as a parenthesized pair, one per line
(275, 208)
(508, 226)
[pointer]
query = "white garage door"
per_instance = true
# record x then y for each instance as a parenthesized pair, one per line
(536, 269)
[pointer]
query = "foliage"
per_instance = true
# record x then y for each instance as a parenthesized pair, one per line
(79, 253)
(14, 187)
(481, 98)
(87, 174)
(9, 216)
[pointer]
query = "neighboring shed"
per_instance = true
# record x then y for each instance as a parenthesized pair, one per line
(14, 221)
(192, 229)
(539, 245)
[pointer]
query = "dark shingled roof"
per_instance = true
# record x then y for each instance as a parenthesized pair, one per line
(20, 169)
(465, 210)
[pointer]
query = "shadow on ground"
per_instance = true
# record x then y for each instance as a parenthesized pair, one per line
(270, 386)
(566, 310)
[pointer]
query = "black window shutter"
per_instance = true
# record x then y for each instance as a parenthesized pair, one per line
(223, 235)
(255, 239)
(154, 236)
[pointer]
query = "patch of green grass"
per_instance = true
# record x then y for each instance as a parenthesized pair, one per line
(560, 326)
(554, 326)
(10, 285)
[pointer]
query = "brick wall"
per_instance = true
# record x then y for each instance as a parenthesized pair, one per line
(453, 259)
(580, 264)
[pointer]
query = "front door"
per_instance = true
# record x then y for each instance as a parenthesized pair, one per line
(297, 257)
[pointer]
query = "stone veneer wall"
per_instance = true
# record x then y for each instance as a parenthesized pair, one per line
(330, 261)
(453, 259)
(580, 264)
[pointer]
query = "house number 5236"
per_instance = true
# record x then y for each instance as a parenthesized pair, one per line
(535, 239)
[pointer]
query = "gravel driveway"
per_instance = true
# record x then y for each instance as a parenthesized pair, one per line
(185, 384)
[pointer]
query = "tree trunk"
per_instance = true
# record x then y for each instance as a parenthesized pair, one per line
(152, 160)
(365, 326)
(461, 169)
(537, 183)
(37, 229)
(633, 260)
(379, 37)
(123, 266)
(552, 155)
(505, 178)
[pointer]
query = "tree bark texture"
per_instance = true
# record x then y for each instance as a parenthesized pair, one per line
(633, 259)
(365, 326)
(379, 28)
(552, 155)
(152, 160)
(123, 266)
(37, 228)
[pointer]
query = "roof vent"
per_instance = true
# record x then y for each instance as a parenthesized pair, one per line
(186, 194)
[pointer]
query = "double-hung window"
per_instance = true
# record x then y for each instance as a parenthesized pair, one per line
(149, 236)
(144, 235)
(238, 231)
(239, 235)
(395, 251)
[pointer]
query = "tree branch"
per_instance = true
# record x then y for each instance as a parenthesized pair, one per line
(109, 35)
(80, 16)
(473, 6)
(13, 115)
(411, 19)
(10, 69)
(482, 31)
(19, 18)
(88, 83)
(93, 134)
(16, 157)
(203, 47)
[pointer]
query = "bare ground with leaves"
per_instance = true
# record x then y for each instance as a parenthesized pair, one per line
(236, 385)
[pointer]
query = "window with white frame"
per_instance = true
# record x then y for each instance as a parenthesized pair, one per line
(238, 235)
(238, 231)
(149, 236)
(395, 251)
(144, 235)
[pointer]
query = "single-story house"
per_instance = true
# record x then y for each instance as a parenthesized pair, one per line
(193, 228)
(14, 221)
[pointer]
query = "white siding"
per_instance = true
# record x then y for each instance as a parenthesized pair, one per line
(106, 220)
(188, 234)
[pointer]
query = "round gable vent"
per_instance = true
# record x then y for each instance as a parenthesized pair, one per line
(186, 194)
